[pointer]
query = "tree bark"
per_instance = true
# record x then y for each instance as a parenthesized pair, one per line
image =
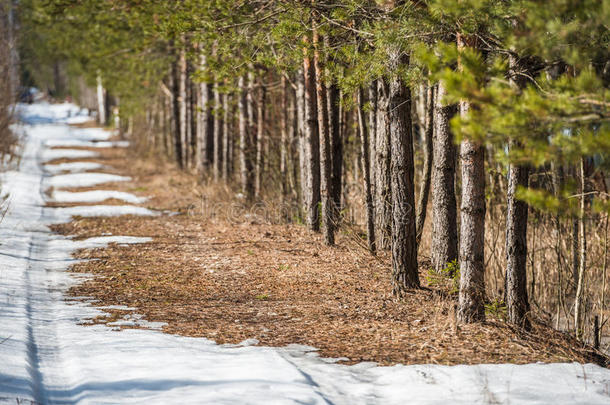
(182, 99)
(336, 147)
(578, 300)
(284, 139)
(383, 206)
(472, 224)
(312, 145)
(101, 101)
(516, 249)
(472, 230)
(260, 138)
(366, 169)
(205, 123)
(372, 117)
(303, 164)
(227, 160)
(517, 304)
(424, 189)
(245, 156)
(325, 152)
(404, 246)
(218, 135)
(444, 247)
(177, 123)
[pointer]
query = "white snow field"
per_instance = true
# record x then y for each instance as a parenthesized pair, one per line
(48, 356)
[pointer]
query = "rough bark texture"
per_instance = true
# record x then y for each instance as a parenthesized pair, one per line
(227, 157)
(205, 125)
(300, 107)
(424, 189)
(175, 80)
(404, 247)
(516, 249)
(366, 173)
(247, 183)
(218, 134)
(260, 138)
(284, 139)
(325, 151)
(312, 147)
(578, 300)
(336, 147)
(101, 101)
(517, 304)
(372, 117)
(472, 231)
(444, 247)
(383, 197)
(182, 99)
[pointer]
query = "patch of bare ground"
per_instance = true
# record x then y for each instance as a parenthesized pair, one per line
(208, 276)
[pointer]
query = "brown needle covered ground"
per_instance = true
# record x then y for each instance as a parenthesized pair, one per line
(230, 280)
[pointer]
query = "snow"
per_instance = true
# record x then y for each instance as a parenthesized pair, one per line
(96, 196)
(82, 179)
(72, 167)
(101, 211)
(48, 355)
(86, 144)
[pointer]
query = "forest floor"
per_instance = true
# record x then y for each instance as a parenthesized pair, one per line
(214, 271)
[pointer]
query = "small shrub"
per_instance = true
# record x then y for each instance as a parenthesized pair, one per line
(448, 277)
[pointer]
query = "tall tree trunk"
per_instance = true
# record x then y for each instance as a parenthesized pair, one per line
(516, 249)
(101, 101)
(424, 189)
(226, 142)
(444, 247)
(245, 155)
(383, 207)
(218, 135)
(205, 125)
(517, 304)
(325, 152)
(366, 171)
(404, 246)
(177, 123)
(472, 224)
(182, 98)
(312, 145)
(580, 288)
(284, 139)
(302, 146)
(372, 117)
(336, 146)
(260, 138)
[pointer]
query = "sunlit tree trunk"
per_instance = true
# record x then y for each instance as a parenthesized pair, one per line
(325, 152)
(245, 155)
(424, 190)
(404, 246)
(366, 173)
(472, 225)
(312, 145)
(444, 247)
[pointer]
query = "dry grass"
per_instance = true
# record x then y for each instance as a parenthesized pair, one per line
(246, 278)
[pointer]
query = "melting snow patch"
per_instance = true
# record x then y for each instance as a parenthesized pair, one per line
(103, 211)
(83, 179)
(53, 154)
(72, 167)
(52, 143)
(96, 196)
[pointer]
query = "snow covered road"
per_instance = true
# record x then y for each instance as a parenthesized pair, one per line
(46, 356)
